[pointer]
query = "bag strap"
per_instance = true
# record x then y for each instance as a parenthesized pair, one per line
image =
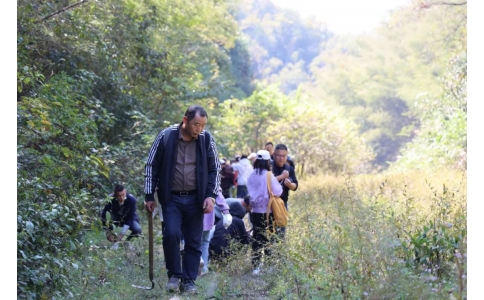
(268, 181)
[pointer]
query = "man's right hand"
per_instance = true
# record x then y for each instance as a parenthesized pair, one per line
(150, 205)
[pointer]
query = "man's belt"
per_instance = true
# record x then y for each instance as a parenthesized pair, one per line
(184, 193)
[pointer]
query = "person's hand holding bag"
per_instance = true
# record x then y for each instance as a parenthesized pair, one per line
(227, 220)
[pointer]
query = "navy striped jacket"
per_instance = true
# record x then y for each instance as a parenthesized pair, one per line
(160, 166)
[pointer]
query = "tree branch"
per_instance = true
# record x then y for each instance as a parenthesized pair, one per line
(62, 10)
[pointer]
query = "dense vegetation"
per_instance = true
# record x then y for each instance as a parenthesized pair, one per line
(96, 81)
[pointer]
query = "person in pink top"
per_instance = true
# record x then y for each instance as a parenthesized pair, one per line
(208, 224)
(259, 200)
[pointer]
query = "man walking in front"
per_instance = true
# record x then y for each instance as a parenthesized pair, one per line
(183, 164)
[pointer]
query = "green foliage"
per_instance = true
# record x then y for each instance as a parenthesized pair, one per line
(94, 84)
(346, 235)
(55, 170)
(241, 126)
(281, 44)
(441, 141)
(377, 77)
(321, 139)
(318, 136)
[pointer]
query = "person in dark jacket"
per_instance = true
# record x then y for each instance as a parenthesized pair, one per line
(227, 180)
(122, 209)
(270, 147)
(286, 176)
(225, 241)
(183, 166)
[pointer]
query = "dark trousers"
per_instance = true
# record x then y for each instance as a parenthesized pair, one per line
(242, 191)
(261, 240)
(135, 228)
(226, 193)
(182, 217)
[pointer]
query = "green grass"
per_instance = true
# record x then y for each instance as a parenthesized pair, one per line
(394, 236)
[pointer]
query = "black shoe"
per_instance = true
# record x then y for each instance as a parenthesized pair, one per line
(189, 287)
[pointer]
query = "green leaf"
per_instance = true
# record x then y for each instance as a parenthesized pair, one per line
(66, 151)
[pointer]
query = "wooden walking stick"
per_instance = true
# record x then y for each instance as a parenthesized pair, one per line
(150, 253)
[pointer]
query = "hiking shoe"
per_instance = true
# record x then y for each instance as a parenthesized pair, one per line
(204, 271)
(189, 288)
(172, 284)
(200, 267)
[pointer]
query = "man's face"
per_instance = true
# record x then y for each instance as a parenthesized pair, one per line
(280, 157)
(270, 148)
(121, 196)
(195, 126)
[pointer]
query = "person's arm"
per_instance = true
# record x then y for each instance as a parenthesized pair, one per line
(131, 212)
(276, 187)
(213, 165)
(291, 182)
(226, 216)
(152, 168)
(221, 204)
(106, 208)
(283, 175)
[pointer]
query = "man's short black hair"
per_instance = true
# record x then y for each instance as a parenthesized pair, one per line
(118, 188)
(193, 110)
(243, 156)
(280, 147)
(269, 143)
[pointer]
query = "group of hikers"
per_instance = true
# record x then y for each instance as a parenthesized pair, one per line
(203, 199)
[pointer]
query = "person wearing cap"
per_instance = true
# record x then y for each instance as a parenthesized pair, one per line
(259, 200)
(252, 157)
(184, 167)
(244, 169)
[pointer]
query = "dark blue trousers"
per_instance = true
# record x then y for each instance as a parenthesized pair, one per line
(182, 217)
(242, 191)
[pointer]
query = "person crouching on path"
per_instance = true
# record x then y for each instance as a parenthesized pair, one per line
(183, 164)
(122, 209)
(259, 200)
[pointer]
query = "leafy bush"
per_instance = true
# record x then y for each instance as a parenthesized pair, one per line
(56, 174)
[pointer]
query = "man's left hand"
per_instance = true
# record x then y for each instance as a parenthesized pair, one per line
(208, 205)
